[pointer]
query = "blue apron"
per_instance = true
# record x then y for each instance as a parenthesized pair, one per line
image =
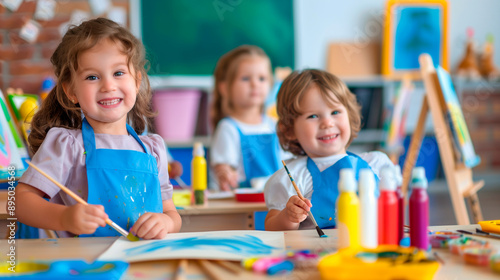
(325, 187)
(125, 182)
(260, 152)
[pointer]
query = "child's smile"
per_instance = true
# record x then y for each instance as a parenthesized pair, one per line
(110, 102)
(323, 127)
(328, 138)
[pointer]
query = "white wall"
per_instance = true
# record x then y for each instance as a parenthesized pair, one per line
(319, 22)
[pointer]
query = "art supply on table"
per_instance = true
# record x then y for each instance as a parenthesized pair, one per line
(482, 234)
(249, 195)
(199, 173)
(209, 270)
(419, 210)
(477, 256)
(182, 197)
(123, 232)
(65, 269)
(440, 239)
(438, 258)
(488, 234)
(490, 226)
(347, 211)
(229, 266)
(272, 266)
(305, 259)
(458, 245)
(495, 263)
(401, 202)
(318, 229)
(386, 262)
(368, 209)
(388, 228)
(181, 271)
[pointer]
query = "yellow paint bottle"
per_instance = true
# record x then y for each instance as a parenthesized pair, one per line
(348, 211)
(199, 173)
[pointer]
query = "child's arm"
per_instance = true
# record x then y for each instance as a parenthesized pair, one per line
(174, 169)
(295, 211)
(35, 211)
(157, 225)
(226, 176)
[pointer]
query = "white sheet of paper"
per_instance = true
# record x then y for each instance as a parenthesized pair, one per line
(99, 7)
(30, 30)
(45, 9)
(12, 5)
(219, 245)
(118, 15)
(77, 17)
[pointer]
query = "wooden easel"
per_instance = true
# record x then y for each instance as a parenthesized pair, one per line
(458, 176)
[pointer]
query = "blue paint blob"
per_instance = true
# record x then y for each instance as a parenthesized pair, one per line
(241, 245)
(324, 236)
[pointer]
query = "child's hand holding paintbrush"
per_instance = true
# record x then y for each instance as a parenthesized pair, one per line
(83, 219)
(297, 209)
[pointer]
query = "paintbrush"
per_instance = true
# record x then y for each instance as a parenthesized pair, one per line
(318, 229)
(123, 232)
(181, 272)
(478, 233)
(181, 183)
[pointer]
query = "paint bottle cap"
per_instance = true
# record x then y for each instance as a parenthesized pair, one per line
(198, 150)
(347, 182)
(418, 179)
(387, 179)
(399, 177)
(366, 182)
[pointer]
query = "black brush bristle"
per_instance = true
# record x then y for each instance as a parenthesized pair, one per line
(320, 232)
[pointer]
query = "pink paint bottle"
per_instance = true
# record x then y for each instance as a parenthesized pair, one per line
(401, 203)
(387, 208)
(419, 210)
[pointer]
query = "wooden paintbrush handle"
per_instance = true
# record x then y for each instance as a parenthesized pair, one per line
(66, 190)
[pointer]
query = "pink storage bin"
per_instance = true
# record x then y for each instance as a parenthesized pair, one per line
(177, 113)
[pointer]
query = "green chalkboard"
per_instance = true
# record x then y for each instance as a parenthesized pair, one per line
(184, 37)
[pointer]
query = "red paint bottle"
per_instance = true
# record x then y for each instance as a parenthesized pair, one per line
(419, 210)
(387, 208)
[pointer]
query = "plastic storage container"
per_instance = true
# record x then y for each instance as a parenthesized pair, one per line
(177, 113)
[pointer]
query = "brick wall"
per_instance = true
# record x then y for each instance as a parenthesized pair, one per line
(24, 65)
(481, 108)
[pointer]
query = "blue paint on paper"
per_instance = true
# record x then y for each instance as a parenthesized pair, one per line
(241, 245)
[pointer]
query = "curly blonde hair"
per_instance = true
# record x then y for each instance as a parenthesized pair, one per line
(58, 111)
(291, 93)
(225, 71)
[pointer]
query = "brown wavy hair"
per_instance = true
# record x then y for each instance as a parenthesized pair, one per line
(291, 93)
(58, 111)
(225, 71)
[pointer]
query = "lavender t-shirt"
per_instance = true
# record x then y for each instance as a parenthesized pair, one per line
(61, 156)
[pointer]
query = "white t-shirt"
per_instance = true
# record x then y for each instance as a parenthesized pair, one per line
(279, 189)
(226, 146)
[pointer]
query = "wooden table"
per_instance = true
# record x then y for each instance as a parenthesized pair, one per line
(90, 248)
(220, 214)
